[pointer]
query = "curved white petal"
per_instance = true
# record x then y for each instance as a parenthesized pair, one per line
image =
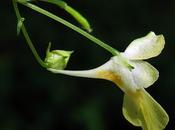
(144, 74)
(122, 72)
(146, 47)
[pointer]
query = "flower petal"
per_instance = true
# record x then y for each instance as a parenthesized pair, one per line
(130, 111)
(144, 74)
(142, 110)
(146, 47)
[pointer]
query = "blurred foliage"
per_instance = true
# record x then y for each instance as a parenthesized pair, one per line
(32, 98)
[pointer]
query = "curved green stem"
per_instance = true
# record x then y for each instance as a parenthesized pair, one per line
(73, 27)
(29, 42)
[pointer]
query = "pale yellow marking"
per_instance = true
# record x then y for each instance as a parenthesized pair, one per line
(108, 75)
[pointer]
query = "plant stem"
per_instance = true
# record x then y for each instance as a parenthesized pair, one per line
(29, 42)
(73, 27)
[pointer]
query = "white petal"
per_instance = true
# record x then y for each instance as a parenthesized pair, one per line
(144, 74)
(146, 47)
(127, 82)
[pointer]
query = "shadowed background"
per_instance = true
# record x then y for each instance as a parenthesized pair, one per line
(31, 98)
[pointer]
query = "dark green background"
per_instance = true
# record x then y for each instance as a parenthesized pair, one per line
(31, 98)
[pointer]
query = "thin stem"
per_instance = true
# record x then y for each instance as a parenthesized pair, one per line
(74, 13)
(29, 42)
(73, 27)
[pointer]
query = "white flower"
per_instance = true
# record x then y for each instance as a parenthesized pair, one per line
(132, 75)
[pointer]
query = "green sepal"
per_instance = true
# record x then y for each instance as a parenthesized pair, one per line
(19, 25)
(57, 59)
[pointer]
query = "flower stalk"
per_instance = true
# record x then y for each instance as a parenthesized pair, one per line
(71, 26)
(26, 35)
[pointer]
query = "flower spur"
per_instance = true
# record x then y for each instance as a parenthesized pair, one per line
(132, 75)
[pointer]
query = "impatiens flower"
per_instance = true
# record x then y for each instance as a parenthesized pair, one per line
(132, 75)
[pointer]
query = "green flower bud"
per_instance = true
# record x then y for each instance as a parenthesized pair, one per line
(57, 59)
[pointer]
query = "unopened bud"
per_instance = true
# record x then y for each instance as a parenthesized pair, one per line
(57, 59)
